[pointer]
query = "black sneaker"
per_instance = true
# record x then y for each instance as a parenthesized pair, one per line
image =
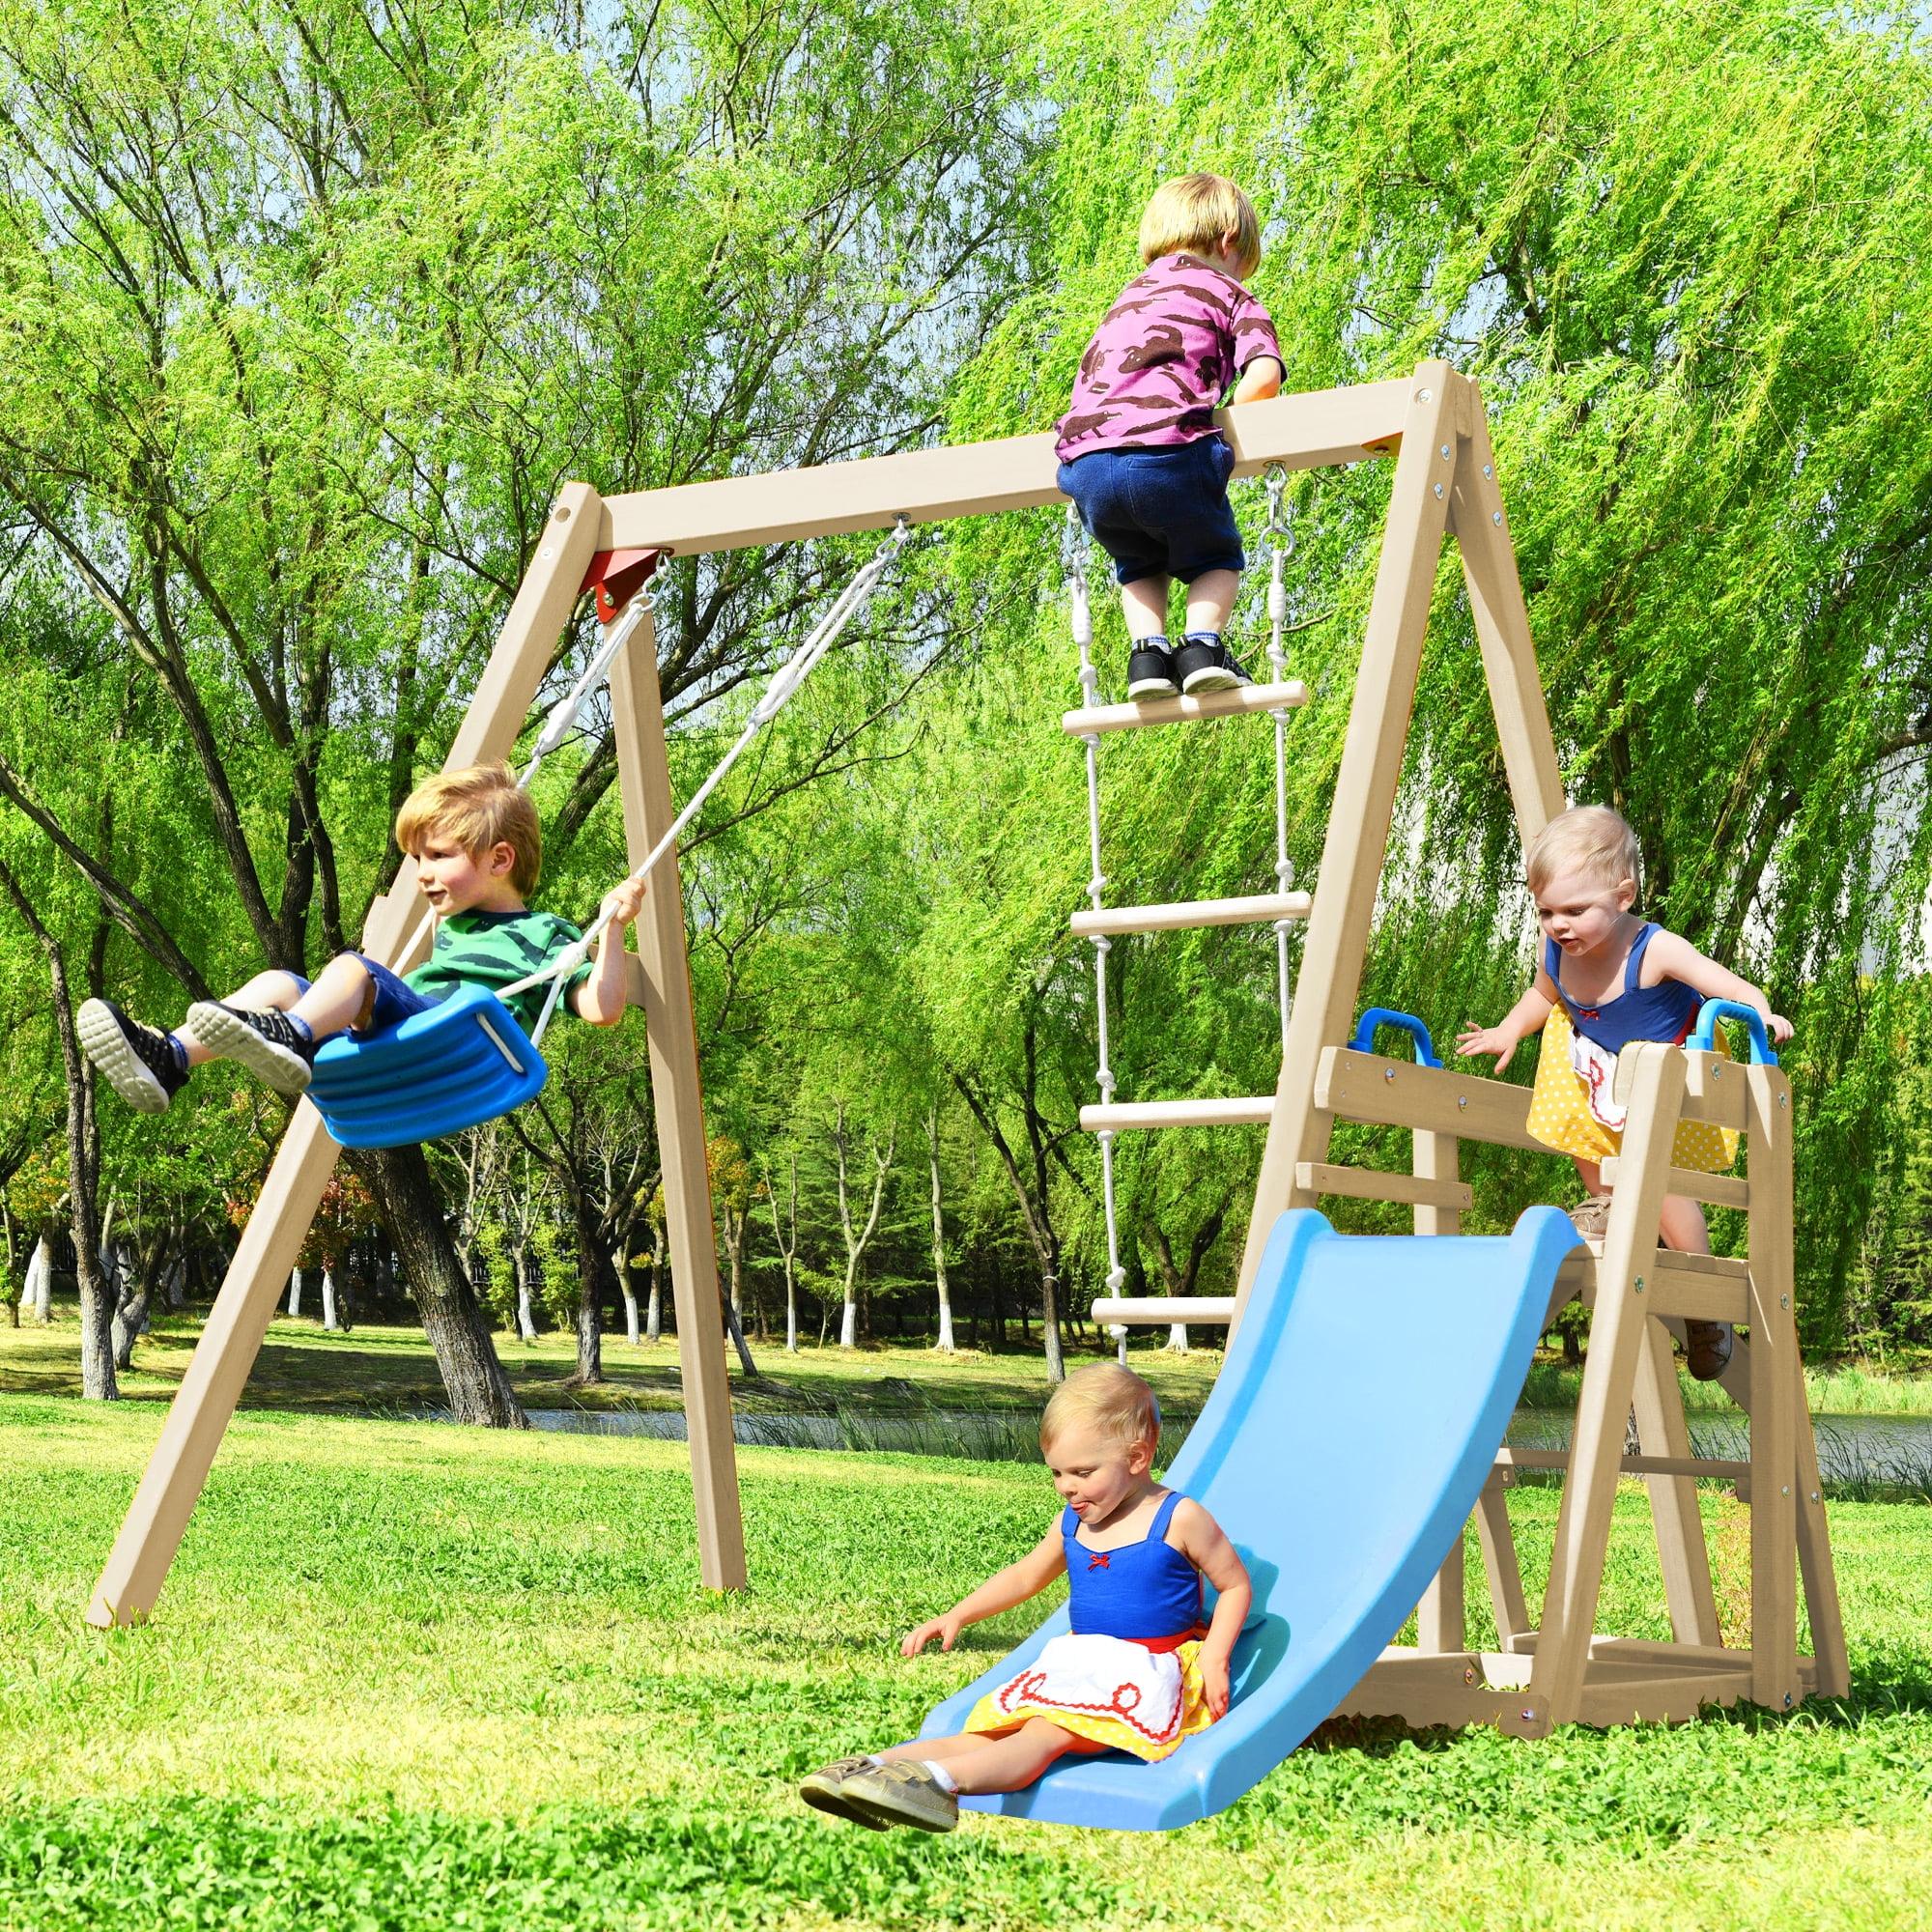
(1206, 664)
(138, 1062)
(1151, 671)
(1706, 1346)
(268, 1043)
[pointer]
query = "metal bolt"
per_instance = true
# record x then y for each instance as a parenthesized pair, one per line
(1388, 1072)
(1785, 1490)
(1787, 1700)
(1814, 1495)
(1784, 1301)
(1784, 1099)
(1716, 1067)
(1424, 396)
(1445, 452)
(1488, 471)
(547, 551)
(1529, 1717)
(1639, 1284)
(1462, 1100)
(1438, 489)
(1468, 1673)
(1495, 516)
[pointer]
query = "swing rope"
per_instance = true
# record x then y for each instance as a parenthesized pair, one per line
(1280, 540)
(1076, 551)
(785, 682)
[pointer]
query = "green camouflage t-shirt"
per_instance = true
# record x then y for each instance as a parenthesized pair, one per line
(496, 950)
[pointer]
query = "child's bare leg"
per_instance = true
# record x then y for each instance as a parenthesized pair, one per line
(1590, 1174)
(917, 1749)
(1010, 1762)
(341, 997)
(1211, 600)
(1144, 604)
(1683, 1226)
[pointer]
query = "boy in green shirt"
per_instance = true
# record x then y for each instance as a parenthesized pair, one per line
(477, 848)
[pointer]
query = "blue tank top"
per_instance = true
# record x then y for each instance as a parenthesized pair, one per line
(1144, 1590)
(1664, 1011)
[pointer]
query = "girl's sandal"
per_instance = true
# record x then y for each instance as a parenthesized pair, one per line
(820, 1790)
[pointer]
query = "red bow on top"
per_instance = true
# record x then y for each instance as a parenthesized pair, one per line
(1096, 1559)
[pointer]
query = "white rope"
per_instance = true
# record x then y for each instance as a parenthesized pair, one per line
(1280, 540)
(792, 674)
(1075, 553)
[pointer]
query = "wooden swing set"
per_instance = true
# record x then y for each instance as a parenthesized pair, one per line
(1554, 1669)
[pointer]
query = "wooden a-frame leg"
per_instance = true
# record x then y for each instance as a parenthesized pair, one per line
(1356, 839)
(1442, 1617)
(1682, 1553)
(1609, 1384)
(644, 777)
(198, 1417)
(1505, 1575)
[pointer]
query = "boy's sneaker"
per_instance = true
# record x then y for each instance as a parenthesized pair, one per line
(1707, 1349)
(902, 1792)
(268, 1043)
(823, 1790)
(1151, 671)
(1205, 664)
(140, 1062)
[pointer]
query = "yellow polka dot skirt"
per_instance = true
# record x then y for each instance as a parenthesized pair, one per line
(1560, 1117)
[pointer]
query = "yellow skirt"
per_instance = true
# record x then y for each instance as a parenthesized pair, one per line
(1560, 1117)
(1107, 1690)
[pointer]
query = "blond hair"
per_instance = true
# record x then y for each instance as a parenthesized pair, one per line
(1194, 214)
(1112, 1399)
(1592, 837)
(477, 807)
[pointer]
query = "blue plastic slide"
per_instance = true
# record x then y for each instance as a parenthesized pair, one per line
(1345, 1444)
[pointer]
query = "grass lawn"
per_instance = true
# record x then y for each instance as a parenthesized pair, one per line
(410, 1676)
(386, 1370)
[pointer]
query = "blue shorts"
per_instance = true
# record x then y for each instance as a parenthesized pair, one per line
(395, 998)
(1158, 512)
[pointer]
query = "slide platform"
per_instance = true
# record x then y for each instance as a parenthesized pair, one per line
(1345, 1443)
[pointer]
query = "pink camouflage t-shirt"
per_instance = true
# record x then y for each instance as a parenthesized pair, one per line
(1162, 358)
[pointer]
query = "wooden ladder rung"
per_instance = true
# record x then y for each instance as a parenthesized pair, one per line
(1184, 710)
(1130, 1116)
(1370, 1183)
(1159, 1311)
(1254, 911)
(1700, 1288)
(1720, 1190)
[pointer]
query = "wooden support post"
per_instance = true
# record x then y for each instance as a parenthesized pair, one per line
(1610, 1381)
(1439, 405)
(1481, 529)
(643, 775)
(1682, 1553)
(138, 1564)
(1499, 1564)
(1441, 1619)
(1775, 1391)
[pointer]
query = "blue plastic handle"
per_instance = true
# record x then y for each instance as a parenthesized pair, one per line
(1705, 1033)
(1381, 1016)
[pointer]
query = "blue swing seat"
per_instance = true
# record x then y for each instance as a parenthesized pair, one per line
(463, 1062)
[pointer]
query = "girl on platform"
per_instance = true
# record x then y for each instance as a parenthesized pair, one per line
(1608, 978)
(1140, 1670)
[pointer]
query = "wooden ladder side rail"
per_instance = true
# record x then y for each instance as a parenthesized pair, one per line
(1314, 429)
(197, 1418)
(1776, 1391)
(1441, 407)
(1683, 1552)
(677, 1100)
(1555, 1692)
(1499, 1561)
(1441, 1618)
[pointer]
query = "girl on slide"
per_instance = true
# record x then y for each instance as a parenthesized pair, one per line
(1608, 978)
(1139, 1672)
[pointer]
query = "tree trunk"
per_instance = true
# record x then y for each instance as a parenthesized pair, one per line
(654, 1309)
(295, 1293)
(178, 1284)
(735, 1328)
(452, 1318)
(856, 1243)
(945, 1337)
(40, 1295)
(328, 1321)
(594, 1285)
(628, 1289)
(1177, 1339)
(527, 1321)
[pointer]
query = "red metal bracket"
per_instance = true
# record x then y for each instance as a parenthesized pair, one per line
(617, 576)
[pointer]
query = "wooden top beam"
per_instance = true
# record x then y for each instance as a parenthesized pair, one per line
(1314, 430)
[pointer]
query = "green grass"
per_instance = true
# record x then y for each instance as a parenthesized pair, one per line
(411, 1676)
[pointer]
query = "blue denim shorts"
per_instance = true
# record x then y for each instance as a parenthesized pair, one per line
(395, 998)
(1158, 512)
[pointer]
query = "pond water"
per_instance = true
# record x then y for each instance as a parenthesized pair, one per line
(1851, 1448)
